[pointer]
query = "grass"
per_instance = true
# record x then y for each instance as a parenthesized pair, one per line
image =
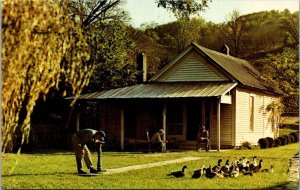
(57, 170)
(286, 131)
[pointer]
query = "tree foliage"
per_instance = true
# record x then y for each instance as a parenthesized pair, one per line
(282, 70)
(103, 23)
(112, 55)
(183, 8)
(234, 31)
(290, 24)
(90, 11)
(41, 47)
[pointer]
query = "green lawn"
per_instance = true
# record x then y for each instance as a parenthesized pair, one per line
(57, 170)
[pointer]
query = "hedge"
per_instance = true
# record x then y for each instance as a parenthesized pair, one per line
(270, 140)
(277, 142)
(263, 143)
(283, 140)
(295, 135)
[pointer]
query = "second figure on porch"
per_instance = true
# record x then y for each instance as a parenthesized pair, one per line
(157, 143)
(203, 137)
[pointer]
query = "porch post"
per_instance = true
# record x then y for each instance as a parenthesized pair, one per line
(164, 124)
(218, 122)
(122, 129)
(77, 120)
(203, 113)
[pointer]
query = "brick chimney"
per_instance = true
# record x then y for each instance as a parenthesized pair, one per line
(141, 60)
(225, 49)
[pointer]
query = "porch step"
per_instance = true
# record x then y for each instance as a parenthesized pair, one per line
(188, 145)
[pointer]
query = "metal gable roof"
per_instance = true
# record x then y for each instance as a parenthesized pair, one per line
(164, 90)
(240, 69)
(237, 69)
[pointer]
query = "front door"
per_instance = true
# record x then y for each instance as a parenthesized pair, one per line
(193, 119)
(198, 114)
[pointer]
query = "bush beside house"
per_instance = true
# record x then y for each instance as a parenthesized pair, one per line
(269, 142)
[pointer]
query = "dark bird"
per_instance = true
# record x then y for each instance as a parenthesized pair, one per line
(254, 164)
(217, 168)
(226, 167)
(178, 173)
(268, 170)
(208, 172)
(257, 168)
(211, 174)
(198, 173)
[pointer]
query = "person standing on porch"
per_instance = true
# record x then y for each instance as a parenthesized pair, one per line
(203, 137)
(79, 141)
(156, 141)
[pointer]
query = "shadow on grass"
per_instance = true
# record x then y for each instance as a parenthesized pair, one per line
(293, 185)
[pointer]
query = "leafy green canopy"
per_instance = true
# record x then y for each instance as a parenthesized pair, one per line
(41, 47)
(183, 8)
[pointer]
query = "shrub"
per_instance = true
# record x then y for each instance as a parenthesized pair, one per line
(277, 142)
(270, 140)
(246, 145)
(288, 139)
(283, 140)
(292, 138)
(295, 135)
(263, 143)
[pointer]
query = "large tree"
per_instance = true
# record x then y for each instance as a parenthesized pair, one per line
(290, 23)
(234, 31)
(103, 22)
(41, 47)
(183, 8)
(282, 70)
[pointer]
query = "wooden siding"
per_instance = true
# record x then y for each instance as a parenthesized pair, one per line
(261, 125)
(226, 125)
(110, 121)
(192, 68)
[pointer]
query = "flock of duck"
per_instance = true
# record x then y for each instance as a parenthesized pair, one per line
(237, 167)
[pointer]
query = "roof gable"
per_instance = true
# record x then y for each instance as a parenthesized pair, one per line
(190, 67)
(213, 65)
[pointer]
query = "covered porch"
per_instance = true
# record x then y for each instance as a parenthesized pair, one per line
(126, 114)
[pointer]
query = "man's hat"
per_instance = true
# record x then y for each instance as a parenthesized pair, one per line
(102, 133)
(161, 131)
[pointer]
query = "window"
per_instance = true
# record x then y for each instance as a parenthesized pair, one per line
(251, 113)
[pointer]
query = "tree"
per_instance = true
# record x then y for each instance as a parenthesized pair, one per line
(41, 47)
(275, 108)
(282, 70)
(103, 23)
(183, 8)
(290, 23)
(180, 34)
(113, 56)
(90, 11)
(234, 31)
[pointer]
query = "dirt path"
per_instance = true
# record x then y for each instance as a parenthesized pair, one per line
(155, 164)
(293, 180)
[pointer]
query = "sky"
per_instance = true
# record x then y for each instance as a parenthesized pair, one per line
(146, 11)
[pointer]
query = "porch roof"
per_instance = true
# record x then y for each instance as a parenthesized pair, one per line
(164, 90)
